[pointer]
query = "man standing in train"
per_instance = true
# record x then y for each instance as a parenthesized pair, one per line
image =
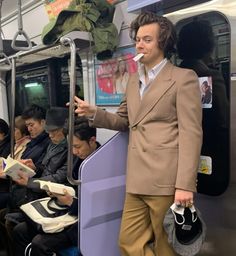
(162, 110)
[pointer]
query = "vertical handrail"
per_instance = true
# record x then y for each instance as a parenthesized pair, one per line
(13, 102)
(68, 41)
(2, 54)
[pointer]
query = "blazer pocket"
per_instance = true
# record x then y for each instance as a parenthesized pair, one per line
(166, 161)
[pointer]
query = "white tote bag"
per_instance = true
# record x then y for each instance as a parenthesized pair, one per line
(48, 215)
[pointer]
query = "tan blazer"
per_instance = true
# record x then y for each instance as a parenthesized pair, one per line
(165, 132)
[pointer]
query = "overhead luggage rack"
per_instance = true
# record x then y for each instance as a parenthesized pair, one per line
(82, 40)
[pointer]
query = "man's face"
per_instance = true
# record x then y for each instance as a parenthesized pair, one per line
(147, 43)
(56, 136)
(17, 134)
(35, 127)
(83, 148)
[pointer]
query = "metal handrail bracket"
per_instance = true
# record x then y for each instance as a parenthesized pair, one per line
(68, 41)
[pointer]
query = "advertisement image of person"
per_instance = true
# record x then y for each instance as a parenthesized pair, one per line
(164, 100)
(121, 77)
(206, 93)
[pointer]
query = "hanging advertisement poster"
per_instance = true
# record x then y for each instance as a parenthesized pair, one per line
(112, 76)
(205, 84)
(205, 165)
(54, 7)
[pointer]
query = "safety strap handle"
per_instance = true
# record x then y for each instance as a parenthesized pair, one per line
(21, 32)
(21, 48)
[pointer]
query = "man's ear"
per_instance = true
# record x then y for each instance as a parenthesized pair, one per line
(43, 121)
(92, 140)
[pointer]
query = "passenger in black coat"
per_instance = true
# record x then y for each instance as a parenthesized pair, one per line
(54, 164)
(5, 149)
(36, 149)
(5, 144)
(84, 144)
(34, 117)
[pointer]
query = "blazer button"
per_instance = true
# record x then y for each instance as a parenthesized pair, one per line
(134, 128)
(143, 128)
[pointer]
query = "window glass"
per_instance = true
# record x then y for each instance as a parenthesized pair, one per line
(204, 46)
(45, 83)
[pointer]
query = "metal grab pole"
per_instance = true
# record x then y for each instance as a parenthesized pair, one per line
(2, 54)
(20, 32)
(68, 41)
(13, 101)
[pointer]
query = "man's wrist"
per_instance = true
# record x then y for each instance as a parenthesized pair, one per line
(92, 116)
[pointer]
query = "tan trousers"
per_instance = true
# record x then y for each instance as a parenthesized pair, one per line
(142, 232)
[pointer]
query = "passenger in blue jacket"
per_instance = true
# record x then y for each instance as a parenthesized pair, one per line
(84, 144)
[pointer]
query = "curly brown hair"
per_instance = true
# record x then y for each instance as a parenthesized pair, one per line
(167, 36)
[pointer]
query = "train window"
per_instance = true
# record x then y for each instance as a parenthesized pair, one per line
(62, 85)
(204, 46)
(32, 87)
(45, 83)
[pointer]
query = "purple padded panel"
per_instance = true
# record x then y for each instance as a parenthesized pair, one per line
(102, 197)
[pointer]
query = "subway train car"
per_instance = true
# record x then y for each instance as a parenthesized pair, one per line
(49, 75)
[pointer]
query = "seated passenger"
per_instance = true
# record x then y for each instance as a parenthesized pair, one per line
(21, 140)
(5, 144)
(54, 164)
(22, 137)
(53, 168)
(34, 117)
(84, 144)
(5, 149)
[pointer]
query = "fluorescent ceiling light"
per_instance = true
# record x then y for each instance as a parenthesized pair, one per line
(31, 85)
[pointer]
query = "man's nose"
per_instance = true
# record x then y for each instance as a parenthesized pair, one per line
(139, 44)
(75, 151)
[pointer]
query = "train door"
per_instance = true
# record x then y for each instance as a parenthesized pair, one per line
(204, 46)
(212, 60)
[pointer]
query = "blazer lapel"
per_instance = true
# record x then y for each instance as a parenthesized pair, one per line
(134, 99)
(154, 93)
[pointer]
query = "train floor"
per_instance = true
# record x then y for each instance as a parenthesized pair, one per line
(3, 253)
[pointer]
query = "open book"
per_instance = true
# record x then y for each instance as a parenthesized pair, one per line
(55, 187)
(11, 167)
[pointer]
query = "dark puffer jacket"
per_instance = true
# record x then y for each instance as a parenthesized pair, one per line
(5, 146)
(37, 148)
(53, 168)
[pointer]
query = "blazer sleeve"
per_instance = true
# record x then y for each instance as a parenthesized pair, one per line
(189, 116)
(114, 121)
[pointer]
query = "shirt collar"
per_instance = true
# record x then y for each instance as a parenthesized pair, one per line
(152, 73)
